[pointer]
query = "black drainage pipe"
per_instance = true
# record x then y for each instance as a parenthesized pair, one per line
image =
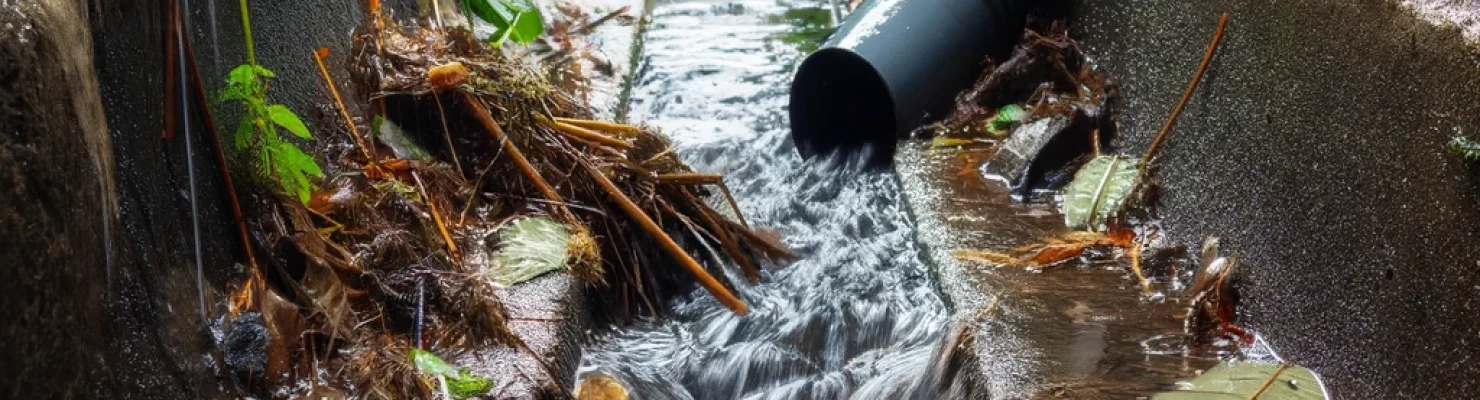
(893, 66)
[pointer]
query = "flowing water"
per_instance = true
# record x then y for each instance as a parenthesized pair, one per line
(858, 316)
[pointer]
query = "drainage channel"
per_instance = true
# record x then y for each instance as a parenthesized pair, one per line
(858, 315)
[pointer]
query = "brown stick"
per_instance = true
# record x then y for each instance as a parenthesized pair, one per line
(602, 126)
(436, 216)
(203, 100)
(508, 146)
(1136, 266)
(707, 281)
(752, 273)
(1270, 380)
(318, 56)
(690, 178)
(590, 135)
(1186, 95)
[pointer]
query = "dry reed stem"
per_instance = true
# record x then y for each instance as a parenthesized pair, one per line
(436, 216)
(1269, 381)
(707, 281)
(318, 57)
(1186, 95)
(727, 242)
(624, 129)
(588, 135)
(690, 178)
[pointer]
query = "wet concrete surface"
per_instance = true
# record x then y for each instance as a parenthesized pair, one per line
(1315, 147)
(1079, 330)
(55, 207)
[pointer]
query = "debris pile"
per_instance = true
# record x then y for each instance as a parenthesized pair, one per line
(1047, 116)
(476, 173)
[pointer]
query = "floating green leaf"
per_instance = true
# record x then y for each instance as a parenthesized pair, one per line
(1097, 191)
(401, 144)
(1242, 380)
(531, 247)
(461, 384)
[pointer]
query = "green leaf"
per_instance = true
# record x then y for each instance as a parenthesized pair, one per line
(242, 75)
(1241, 380)
(1097, 191)
(528, 25)
(489, 13)
(429, 363)
(467, 385)
(531, 247)
(291, 155)
(1008, 116)
(243, 134)
(263, 72)
(281, 115)
(461, 384)
(402, 145)
(1464, 147)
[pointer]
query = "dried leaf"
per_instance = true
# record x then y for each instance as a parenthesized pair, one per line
(984, 256)
(531, 247)
(1098, 191)
(1052, 254)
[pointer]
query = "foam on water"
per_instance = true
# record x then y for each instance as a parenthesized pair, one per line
(857, 316)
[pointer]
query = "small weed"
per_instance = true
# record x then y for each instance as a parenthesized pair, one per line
(276, 158)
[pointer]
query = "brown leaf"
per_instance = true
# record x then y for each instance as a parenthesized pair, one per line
(1055, 253)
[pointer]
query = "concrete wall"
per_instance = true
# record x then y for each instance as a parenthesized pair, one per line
(1315, 148)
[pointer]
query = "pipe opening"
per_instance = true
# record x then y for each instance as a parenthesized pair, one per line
(840, 104)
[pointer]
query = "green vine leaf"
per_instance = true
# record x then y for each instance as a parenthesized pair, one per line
(282, 116)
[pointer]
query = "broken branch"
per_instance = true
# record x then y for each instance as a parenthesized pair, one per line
(707, 281)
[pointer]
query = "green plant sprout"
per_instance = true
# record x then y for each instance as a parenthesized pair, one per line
(275, 158)
(1464, 147)
(516, 20)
